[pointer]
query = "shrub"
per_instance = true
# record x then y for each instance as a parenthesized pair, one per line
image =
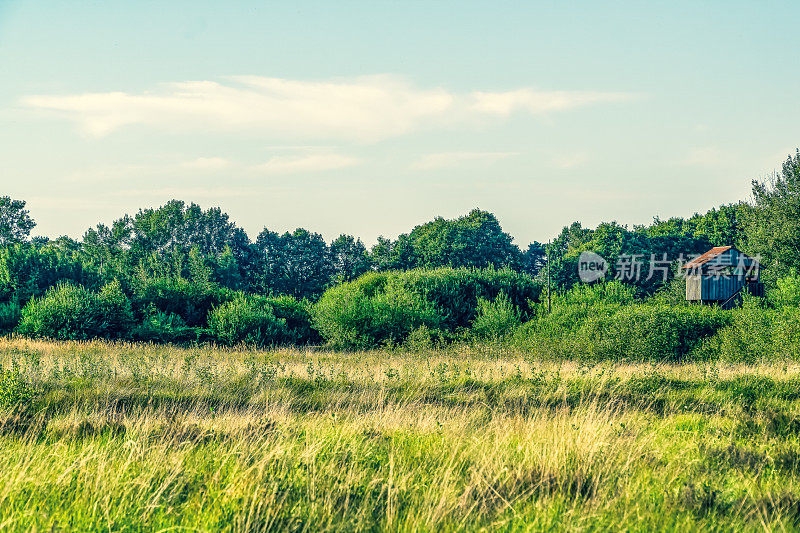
(371, 311)
(607, 321)
(297, 315)
(554, 333)
(385, 308)
(495, 319)
(73, 312)
(755, 334)
(158, 326)
(249, 320)
(649, 332)
(787, 291)
(14, 391)
(190, 300)
(9, 316)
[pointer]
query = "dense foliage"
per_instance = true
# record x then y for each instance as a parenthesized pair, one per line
(180, 273)
(262, 321)
(388, 308)
(72, 312)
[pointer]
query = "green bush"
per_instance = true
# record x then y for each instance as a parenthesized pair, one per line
(297, 316)
(249, 320)
(371, 311)
(73, 312)
(9, 316)
(158, 326)
(786, 292)
(190, 300)
(496, 319)
(645, 332)
(385, 308)
(756, 334)
(554, 333)
(607, 321)
(15, 391)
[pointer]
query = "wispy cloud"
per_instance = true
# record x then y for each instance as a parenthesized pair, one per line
(206, 163)
(708, 156)
(364, 109)
(535, 102)
(186, 192)
(454, 159)
(305, 163)
(569, 161)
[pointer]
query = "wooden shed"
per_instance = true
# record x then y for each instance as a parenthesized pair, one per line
(721, 275)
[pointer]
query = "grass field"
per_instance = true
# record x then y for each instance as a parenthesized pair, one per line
(138, 437)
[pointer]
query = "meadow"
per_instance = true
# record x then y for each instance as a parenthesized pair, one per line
(120, 436)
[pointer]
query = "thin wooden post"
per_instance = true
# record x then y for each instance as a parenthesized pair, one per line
(549, 302)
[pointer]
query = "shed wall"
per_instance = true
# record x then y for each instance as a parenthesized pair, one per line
(719, 289)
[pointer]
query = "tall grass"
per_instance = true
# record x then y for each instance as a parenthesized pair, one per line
(151, 437)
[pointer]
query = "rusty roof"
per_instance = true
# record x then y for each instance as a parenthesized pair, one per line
(706, 257)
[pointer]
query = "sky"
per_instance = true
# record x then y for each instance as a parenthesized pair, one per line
(368, 118)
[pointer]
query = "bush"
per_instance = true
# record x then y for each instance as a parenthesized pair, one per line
(606, 321)
(192, 301)
(385, 308)
(756, 334)
(554, 333)
(495, 319)
(73, 312)
(249, 320)
(14, 391)
(266, 321)
(787, 291)
(369, 312)
(158, 326)
(649, 332)
(297, 315)
(9, 316)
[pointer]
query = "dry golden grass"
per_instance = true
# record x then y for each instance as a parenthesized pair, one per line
(142, 437)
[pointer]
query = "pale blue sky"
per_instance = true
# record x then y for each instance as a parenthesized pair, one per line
(371, 117)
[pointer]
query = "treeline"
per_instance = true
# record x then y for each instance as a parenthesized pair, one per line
(179, 273)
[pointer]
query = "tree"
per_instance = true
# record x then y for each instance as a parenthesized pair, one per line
(159, 240)
(181, 227)
(534, 259)
(296, 263)
(773, 224)
(723, 226)
(28, 269)
(227, 271)
(475, 240)
(15, 222)
(349, 258)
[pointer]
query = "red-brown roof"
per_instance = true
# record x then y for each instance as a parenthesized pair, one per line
(706, 257)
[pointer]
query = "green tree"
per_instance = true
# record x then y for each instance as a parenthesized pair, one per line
(15, 222)
(773, 225)
(227, 271)
(723, 226)
(160, 239)
(296, 263)
(534, 258)
(28, 269)
(349, 258)
(475, 240)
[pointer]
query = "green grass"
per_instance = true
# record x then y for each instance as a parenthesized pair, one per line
(126, 437)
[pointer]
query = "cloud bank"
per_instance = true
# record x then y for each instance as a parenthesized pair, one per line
(305, 163)
(454, 159)
(364, 109)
